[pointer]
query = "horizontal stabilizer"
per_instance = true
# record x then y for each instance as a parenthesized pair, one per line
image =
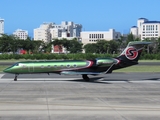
(139, 43)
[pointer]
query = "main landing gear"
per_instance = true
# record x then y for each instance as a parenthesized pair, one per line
(15, 78)
(85, 77)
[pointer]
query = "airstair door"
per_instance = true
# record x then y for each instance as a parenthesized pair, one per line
(31, 67)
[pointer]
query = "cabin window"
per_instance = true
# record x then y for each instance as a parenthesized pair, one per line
(74, 65)
(55, 66)
(49, 66)
(68, 66)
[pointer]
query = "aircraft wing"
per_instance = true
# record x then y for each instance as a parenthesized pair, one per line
(79, 73)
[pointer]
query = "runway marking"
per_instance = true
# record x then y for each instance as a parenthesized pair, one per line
(70, 80)
(1, 75)
(67, 79)
(86, 107)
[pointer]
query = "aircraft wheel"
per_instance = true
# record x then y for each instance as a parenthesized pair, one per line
(85, 77)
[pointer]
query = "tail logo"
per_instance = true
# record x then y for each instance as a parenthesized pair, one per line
(131, 53)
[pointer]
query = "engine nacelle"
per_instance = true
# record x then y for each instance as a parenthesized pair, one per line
(106, 61)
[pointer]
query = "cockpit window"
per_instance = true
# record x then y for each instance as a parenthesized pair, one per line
(16, 64)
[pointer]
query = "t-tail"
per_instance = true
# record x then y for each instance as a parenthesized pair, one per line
(131, 54)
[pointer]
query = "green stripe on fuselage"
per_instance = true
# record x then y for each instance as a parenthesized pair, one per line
(47, 66)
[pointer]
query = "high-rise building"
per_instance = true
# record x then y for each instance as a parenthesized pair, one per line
(21, 34)
(49, 31)
(1, 26)
(66, 30)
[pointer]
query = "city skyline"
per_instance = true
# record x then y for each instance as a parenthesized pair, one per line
(94, 16)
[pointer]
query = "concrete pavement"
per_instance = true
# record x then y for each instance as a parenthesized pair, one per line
(126, 96)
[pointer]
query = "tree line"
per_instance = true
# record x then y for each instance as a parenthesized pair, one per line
(10, 43)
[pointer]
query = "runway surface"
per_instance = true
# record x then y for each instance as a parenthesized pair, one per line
(117, 96)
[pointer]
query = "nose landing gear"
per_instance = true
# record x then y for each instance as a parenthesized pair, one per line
(15, 78)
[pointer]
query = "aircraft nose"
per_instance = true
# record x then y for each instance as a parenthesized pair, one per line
(6, 70)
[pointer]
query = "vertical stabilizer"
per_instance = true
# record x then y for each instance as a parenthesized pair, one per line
(131, 53)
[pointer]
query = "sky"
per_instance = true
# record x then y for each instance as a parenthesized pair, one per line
(94, 15)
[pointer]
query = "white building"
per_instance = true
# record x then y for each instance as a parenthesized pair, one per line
(1, 26)
(43, 32)
(94, 36)
(21, 34)
(146, 29)
(134, 30)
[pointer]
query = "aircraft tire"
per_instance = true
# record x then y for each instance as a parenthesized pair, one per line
(85, 77)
